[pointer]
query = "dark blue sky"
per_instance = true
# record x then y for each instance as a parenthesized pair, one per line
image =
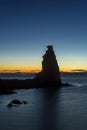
(27, 26)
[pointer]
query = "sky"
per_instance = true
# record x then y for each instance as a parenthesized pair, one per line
(28, 26)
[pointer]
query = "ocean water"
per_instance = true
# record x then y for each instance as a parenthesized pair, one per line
(47, 109)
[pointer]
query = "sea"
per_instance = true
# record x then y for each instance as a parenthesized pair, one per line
(47, 109)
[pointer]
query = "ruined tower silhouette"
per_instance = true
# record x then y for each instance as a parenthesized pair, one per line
(50, 74)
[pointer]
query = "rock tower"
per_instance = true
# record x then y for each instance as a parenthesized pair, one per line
(50, 74)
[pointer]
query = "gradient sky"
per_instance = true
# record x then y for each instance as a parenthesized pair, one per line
(28, 26)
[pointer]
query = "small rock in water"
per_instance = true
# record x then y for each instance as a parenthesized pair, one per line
(16, 102)
(9, 105)
(24, 102)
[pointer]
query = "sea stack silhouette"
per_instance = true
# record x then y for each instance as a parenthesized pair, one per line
(50, 73)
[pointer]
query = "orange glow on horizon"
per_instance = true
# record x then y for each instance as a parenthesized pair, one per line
(36, 70)
(24, 70)
(36, 67)
(20, 71)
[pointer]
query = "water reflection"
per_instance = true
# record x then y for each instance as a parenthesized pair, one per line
(49, 109)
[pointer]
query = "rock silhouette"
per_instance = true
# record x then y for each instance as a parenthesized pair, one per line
(50, 74)
(49, 77)
(16, 102)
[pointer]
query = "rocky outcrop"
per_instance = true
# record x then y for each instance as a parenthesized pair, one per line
(48, 77)
(50, 73)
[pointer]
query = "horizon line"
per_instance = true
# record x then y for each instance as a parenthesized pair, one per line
(37, 71)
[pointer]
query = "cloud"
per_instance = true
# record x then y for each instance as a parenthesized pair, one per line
(79, 70)
(11, 70)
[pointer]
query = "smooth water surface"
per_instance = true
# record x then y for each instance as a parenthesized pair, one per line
(60, 109)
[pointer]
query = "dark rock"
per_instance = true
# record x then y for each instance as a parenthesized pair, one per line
(24, 102)
(67, 84)
(16, 102)
(10, 105)
(50, 73)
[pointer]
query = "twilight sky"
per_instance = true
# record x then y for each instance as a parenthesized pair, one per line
(28, 26)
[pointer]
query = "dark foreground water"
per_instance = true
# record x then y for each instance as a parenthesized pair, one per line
(64, 109)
